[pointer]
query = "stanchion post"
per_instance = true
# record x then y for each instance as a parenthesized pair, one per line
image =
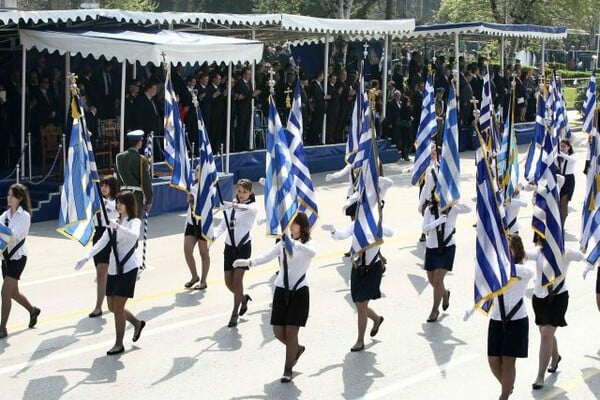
(64, 153)
(18, 170)
(29, 152)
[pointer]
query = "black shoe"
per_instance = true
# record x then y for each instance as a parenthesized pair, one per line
(422, 238)
(555, 367)
(433, 318)
(244, 306)
(357, 348)
(200, 286)
(232, 322)
(287, 376)
(537, 386)
(447, 303)
(375, 329)
(347, 254)
(95, 314)
(191, 283)
(136, 336)
(33, 316)
(115, 352)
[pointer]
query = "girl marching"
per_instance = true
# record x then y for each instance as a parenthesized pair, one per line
(18, 219)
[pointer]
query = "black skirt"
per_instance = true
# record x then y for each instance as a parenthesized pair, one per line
(598, 281)
(122, 285)
(434, 259)
(511, 340)
(230, 254)
(568, 187)
(365, 282)
(104, 255)
(14, 269)
(551, 310)
(195, 231)
(293, 312)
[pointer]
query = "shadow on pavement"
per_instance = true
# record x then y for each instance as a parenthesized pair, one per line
(47, 347)
(441, 341)
(48, 388)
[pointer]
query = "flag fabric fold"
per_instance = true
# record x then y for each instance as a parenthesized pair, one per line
(5, 236)
(448, 184)
(305, 190)
(281, 203)
(427, 127)
(535, 148)
(79, 200)
(176, 153)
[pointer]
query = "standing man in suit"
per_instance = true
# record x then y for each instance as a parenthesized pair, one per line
(243, 96)
(333, 109)
(318, 98)
(106, 91)
(189, 113)
(216, 95)
(147, 116)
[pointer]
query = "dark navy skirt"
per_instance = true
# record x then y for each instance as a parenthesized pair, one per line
(365, 282)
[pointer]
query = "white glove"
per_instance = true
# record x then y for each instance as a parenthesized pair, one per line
(81, 263)
(242, 262)
(328, 227)
(468, 314)
(261, 221)
(328, 177)
(113, 225)
(225, 206)
(262, 181)
(442, 219)
(587, 270)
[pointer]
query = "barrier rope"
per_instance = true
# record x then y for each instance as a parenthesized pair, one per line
(45, 178)
(18, 162)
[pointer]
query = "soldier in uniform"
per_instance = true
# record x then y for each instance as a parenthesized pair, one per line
(133, 172)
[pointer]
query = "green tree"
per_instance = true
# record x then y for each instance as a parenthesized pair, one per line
(133, 5)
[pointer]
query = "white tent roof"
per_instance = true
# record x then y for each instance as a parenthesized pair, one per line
(145, 47)
(488, 28)
(346, 26)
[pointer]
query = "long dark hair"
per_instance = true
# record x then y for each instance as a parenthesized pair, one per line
(113, 185)
(128, 200)
(246, 184)
(568, 143)
(21, 192)
(516, 246)
(302, 220)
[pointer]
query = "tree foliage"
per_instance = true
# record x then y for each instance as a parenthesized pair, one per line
(133, 5)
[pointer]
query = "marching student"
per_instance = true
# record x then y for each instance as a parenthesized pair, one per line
(18, 219)
(508, 329)
(291, 306)
(238, 219)
(365, 282)
(193, 236)
(550, 306)
(439, 229)
(566, 164)
(109, 187)
(122, 268)
(427, 184)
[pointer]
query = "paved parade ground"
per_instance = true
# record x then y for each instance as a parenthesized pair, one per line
(186, 350)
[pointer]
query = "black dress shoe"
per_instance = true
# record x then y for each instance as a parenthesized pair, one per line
(287, 376)
(433, 318)
(244, 306)
(537, 386)
(191, 283)
(33, 316)
(375, 329)
(115, 352)
(136, 336)
(95, 314)
(447, 303)
(555, 367)
(233, 321)
(357, 348)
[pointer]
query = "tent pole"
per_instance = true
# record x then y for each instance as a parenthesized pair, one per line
(251, 133)
(134, 73)
(502, 44)
(23, 95)
(228, 133)
(543, 58)
(67, 84)
(457, 55)
(385, 74)
(325, 70)
(122, 119)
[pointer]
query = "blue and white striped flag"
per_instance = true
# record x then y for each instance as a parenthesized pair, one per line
(5, 236)
(281, 202)
(355, 127)
(448, 184)
(563, 127)
(176, 152)
(508, 159)
(546, 220)
(206, 185)
(427, 128)
(535, 147)
(368, 230)
(504, 153)
(305, 190)
(79, 200)
(590, 204)
(494, 267)
(487, 108)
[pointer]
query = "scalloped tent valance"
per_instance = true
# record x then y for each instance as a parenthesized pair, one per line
(145, 47)
(487, 28)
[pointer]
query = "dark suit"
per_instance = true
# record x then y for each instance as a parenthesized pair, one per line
(317, 96)
(105, 93)
(191, 117)
(333, 110)
(242, 115)
(149, 119)
(218, 117)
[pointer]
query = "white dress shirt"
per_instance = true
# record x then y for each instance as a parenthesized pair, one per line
(512, 212)
(188, 215)
(19, 224)
(514, 293)
(372, 253)
(567, 165)
(244, 219)
(430, 222)
(111, 210)
(127, 237)
(537, 256)
(297, 265)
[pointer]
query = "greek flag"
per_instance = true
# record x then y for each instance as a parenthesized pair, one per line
(368, 230)
(448, 184)
(563, 127)
(305, 190)
(208, 179)
(5, 236)
(281, 203)
(79, 200)
(427, 128)
(503, 155)
(590, 204)
(356, 122)
(487, 107)
(535, 148)
(494, 267)
(546, 215)
(148, 148)
(176, 153)
(508, 159)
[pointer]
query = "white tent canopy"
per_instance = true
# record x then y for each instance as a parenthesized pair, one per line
(145, 47)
